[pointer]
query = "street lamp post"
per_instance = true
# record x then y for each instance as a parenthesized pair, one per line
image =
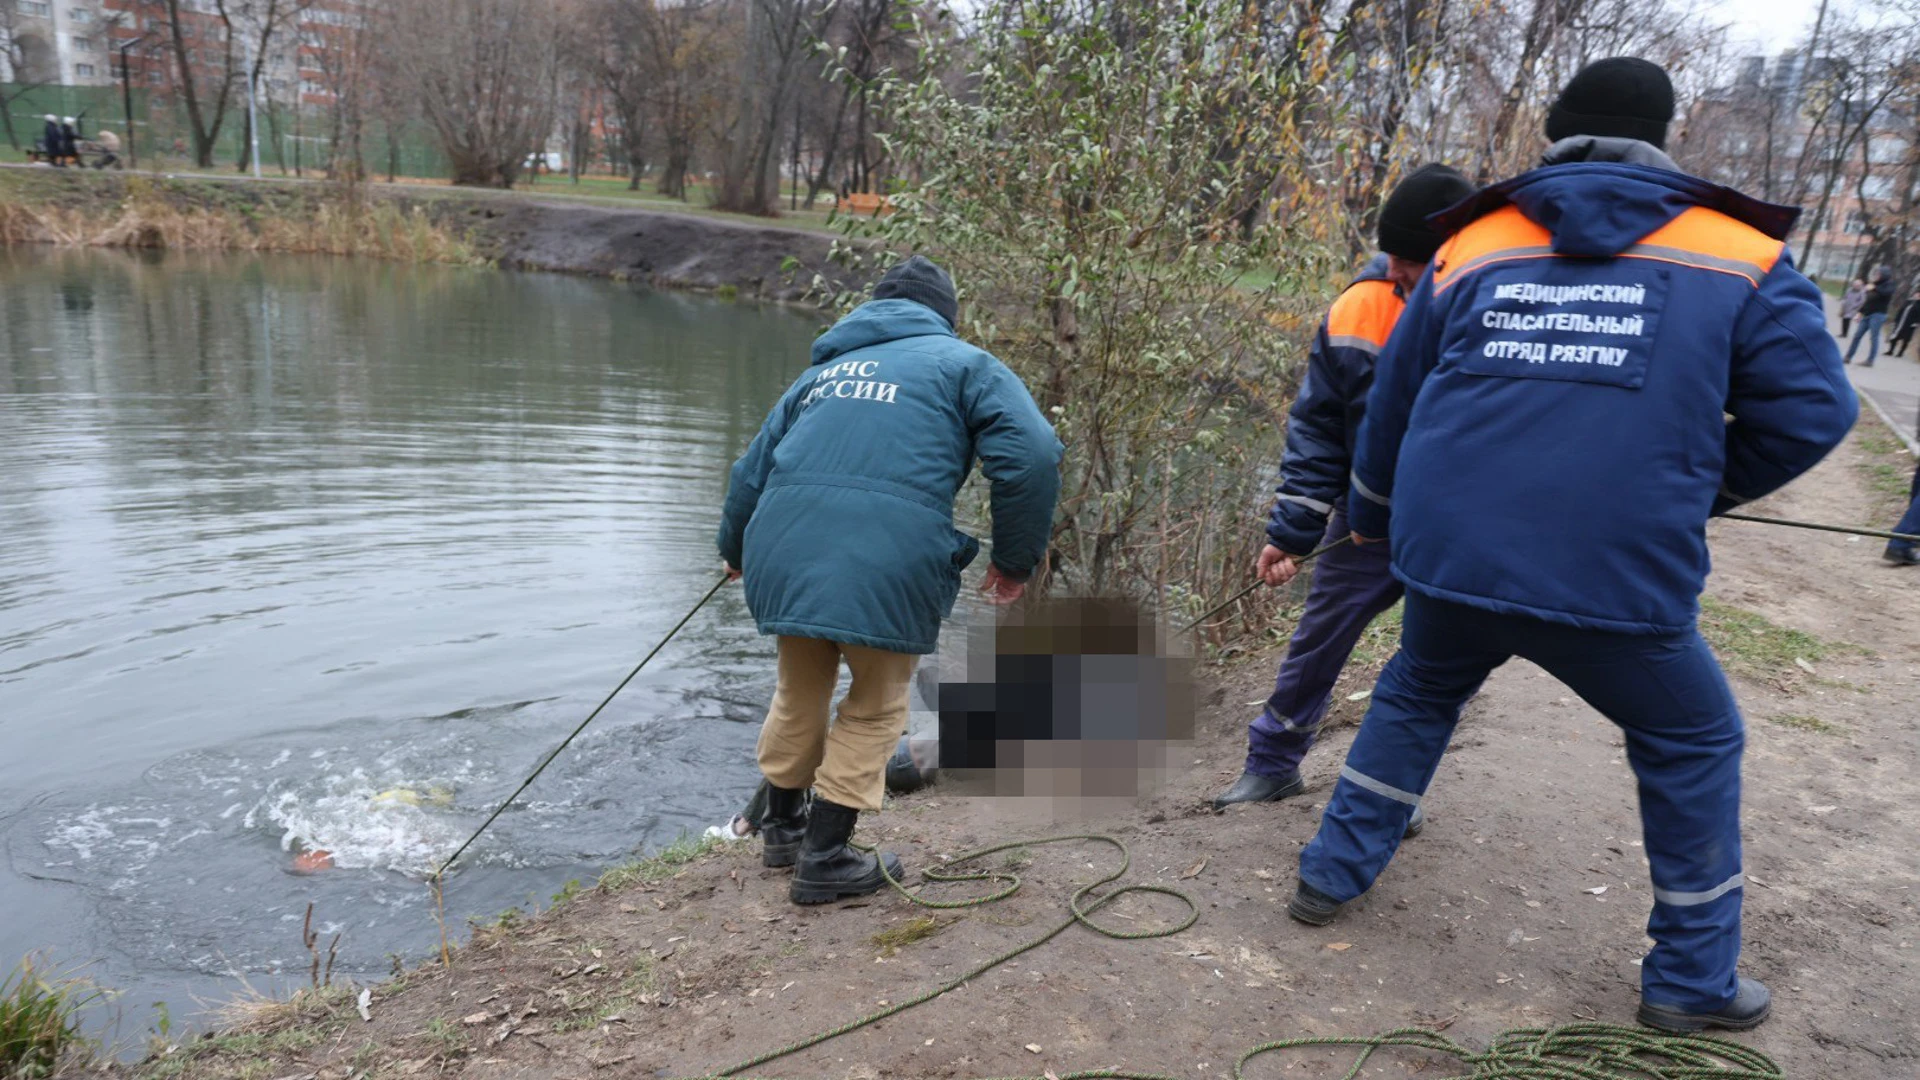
(253, 122)
(126, 95)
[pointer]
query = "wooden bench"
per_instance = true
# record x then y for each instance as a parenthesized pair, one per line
(861, 202)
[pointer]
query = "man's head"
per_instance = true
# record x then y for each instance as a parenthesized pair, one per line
(67, 120)
(51, 119)
(1403, 233)
(1880, 274)
(921, 280)
(1621, 97)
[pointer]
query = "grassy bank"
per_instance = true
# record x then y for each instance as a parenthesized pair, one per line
(39, 1025)
(73, 209)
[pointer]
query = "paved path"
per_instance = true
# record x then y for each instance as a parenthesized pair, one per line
(1891, 385)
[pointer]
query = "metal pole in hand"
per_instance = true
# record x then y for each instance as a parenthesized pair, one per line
(1248, 591)
(1844, 529)
(575, 733)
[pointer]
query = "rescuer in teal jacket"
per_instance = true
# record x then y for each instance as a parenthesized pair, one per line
(840, 519)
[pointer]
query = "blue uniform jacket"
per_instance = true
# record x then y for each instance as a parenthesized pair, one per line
(1603, 356)
(840, 514)
(1325, 419)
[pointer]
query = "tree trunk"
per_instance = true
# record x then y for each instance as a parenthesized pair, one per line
(189, 94)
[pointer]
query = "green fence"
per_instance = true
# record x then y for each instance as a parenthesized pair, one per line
(95, 107)
(291, 141)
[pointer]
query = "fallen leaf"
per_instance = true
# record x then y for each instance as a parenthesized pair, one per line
(1340, 946)
(362, 1003)
(1360, 695)
(1263, 875)
(597, 954)
(1758, 882)
(1033, 1048)
(1823, 809)
(731, 928)
(771, 918)
(1194, 870)
(477, 1018)
(1596, 890)
(1801, 663)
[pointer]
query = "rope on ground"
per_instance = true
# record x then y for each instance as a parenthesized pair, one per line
(1081, 906)
(1581, 1051)
(1585, 1051)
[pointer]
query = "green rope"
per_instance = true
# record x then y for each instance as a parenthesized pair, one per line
(1581, 1051)
(1085, 901)
(1585, 1051)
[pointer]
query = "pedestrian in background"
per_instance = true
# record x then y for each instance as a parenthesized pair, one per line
(1850, 302)
(1607, 353)
(840, 519)
(53, 142)
(1904, 328)
(1873, 315)
(1351, 585)
(69, 140)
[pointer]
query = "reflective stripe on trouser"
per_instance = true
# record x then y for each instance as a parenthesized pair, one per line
(1352, 584)
(1684, 740)
(845, 763)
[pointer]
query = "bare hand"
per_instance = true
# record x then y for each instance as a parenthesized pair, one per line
(1001, 590)
(1276, 567)
(733, 573)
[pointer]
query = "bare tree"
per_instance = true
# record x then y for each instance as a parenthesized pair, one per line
(28, 63)
(484, 73)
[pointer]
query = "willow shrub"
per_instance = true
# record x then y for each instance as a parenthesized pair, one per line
(1121, 195)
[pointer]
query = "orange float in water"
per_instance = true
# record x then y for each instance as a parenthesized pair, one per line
(312, 862)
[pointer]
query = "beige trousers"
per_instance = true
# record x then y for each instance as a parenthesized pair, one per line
(847, 763)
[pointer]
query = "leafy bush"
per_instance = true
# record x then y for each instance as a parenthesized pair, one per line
(1139, 230)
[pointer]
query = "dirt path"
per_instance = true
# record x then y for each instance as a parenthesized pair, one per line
(1484, 923)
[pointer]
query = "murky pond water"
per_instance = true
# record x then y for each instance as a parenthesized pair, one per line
(301, 553)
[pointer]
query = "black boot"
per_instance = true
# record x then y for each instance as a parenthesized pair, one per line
(784, 827)
(1252, 787)
(829, 869)
(1750, 1007)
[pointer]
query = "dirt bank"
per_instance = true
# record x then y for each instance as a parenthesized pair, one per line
(1490, 920)
(677, 251)
(662, 249)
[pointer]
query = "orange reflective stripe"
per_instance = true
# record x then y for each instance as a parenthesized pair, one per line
(1504, 234)
(1700, 238)
(1711, 240)
(1364, 315)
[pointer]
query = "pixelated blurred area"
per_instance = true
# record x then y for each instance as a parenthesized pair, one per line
(1068, 701)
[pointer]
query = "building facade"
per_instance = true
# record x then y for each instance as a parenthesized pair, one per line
(56, 42)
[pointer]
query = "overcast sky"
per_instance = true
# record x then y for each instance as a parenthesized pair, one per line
(1769, 25)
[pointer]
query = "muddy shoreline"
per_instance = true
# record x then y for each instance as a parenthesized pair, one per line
(1495, 918)
(689, 251)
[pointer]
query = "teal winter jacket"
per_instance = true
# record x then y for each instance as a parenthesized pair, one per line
(840, 514)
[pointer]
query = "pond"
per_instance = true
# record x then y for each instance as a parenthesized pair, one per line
(319, 554)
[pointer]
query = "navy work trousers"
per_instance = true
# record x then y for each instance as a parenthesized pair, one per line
(1352, 584)
(1684, 739)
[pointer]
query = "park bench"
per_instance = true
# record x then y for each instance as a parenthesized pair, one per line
(867, 203)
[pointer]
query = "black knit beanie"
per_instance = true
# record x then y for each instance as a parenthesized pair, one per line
(1622, 96)
(921, 280)
(1425, 191)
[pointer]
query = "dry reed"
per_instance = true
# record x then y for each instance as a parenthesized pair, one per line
(380, 229)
